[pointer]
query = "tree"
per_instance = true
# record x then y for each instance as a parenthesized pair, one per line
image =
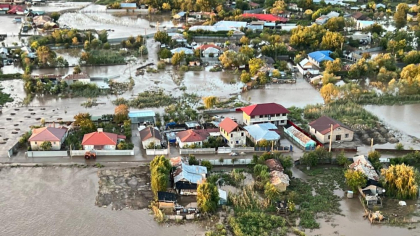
(374, 159)
(162, 37)
(255, 65)
(401, 181)
(355, 179)
(95, 43)
(332, 41)
(177, 58)
(207, 197)
(121, 113)
(400, 16)
(77, 70)
(228, 58)
(271, 192)
(45, 146)
(165, 53)
(103, 36)
(342, 159)
(55, 16)
(44, 54)
(244, 40)
(278, 7)
(329, 92)
(245, 77)
(335, 24)
(333, 66)
(83, 120)
(159, 173)
(207, 164)
(166, 6)
(209, 101)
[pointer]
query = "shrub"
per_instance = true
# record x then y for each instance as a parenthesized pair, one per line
(161, 65)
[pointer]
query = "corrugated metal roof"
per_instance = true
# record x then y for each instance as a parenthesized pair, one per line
(145, 113)
(321, 56)
(263, 131)
(192, 174)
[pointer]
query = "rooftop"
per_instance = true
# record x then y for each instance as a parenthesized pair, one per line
(264, 17)
(145, 113)
(361, 163)
(192, 135)
(323, 124)
(228, 125)
(192, 174)
(264, 131)
(264, 109)
(320, 56)
(48, 134)
(101, 138)
(150, 132)
(274, 164)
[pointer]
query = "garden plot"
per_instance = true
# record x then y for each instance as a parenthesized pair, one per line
(124, 188)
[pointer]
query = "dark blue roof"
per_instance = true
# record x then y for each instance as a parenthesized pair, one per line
(320, 56)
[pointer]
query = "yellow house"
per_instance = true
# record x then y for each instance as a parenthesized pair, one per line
(232, 132)
(48, 134)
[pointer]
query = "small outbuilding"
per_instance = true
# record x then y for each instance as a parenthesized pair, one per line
(139, 117)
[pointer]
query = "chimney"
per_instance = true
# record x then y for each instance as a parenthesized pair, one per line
(100, 130)
(53, 124)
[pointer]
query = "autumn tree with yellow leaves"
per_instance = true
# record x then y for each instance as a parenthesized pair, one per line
(401, 181)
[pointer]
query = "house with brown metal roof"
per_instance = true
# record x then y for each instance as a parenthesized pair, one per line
(265, 113)
(101, 140)
(233, 133)
(277, 177)
(81, 77)
(192, 137)
(48, 134)
(150, 135)
(321, 129)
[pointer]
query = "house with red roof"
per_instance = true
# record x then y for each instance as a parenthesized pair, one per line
(321, 129)
(233, 133)
(192, 137)
(210, 50)
(48, 134)
(265, 17)
(265, 113)
(100, 140)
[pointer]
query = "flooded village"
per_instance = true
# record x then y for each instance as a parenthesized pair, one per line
(203, 117)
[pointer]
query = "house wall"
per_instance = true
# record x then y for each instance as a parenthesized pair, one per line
(338, 131)
(234, 138)
(182, 144)
(147, 142)
(104, 147)
(56, 145)
(278, 119)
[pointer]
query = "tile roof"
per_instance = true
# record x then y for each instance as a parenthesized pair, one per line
(359, 16)
(206, 46)
(192, 135)
(264, 17)
(324, 123)
(274, 164)
(101, 138)
(228, 125)
(264, 109)
(48, 134)
(148, 133)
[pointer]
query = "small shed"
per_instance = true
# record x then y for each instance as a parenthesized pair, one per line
(222, 197)
(128, 5)
(138, 117)
(166, 200)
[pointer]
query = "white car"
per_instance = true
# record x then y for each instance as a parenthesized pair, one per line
(233, 154)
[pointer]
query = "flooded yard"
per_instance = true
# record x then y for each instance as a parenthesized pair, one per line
(61, 201)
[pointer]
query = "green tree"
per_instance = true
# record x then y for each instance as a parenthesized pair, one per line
(374, 159)
(355, 179)
(83, 120)
(335, 24)
(400, 16)
(165, 53)
(44, 55)
(103, 36)
(207, 164)
(46, 146)
(271, 192)
(55, 16)
(77, 70)
(207, 197)
(332, 41)
(244, 40)
(162, 37)
(159, 173)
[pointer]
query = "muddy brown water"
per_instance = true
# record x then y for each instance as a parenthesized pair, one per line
(61, 201)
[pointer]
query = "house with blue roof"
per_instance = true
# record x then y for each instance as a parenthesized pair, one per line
(125, 5)
(318, 57)
(139, 117)
(263, 131)
(180, 15)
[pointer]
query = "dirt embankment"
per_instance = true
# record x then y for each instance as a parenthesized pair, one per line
(380, 135)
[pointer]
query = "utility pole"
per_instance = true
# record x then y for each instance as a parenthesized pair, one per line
(371, 144)
(331, 135)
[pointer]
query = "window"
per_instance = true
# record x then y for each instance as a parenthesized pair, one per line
(242, 134)
(237, 142)
(252, 117)
(346, 135)
(328, 136)
(284, 114)
(231, 135)
(54, 143)
(36, 143)
(283, 121)
(261, 116)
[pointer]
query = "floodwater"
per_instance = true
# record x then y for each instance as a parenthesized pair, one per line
(299, 94)
(61, 201)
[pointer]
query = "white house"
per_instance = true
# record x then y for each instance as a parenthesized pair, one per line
(265, 113)
(232, 132)
(150, 135)
(321, 129)
(101, 140)
(191, 137)
(307, 67)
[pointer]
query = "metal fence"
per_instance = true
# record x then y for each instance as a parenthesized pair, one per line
(46, 154)
(198, 151)
(229, 162)
(257, 10)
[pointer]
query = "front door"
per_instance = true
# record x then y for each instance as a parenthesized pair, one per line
(338, 137)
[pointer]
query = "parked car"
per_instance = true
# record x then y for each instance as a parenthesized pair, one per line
(233, 154)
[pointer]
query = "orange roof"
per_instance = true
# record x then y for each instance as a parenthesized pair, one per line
(192, 135)
(228, 124)
(101, 138)
(205, 46)
(48, 134)
(264, 109)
